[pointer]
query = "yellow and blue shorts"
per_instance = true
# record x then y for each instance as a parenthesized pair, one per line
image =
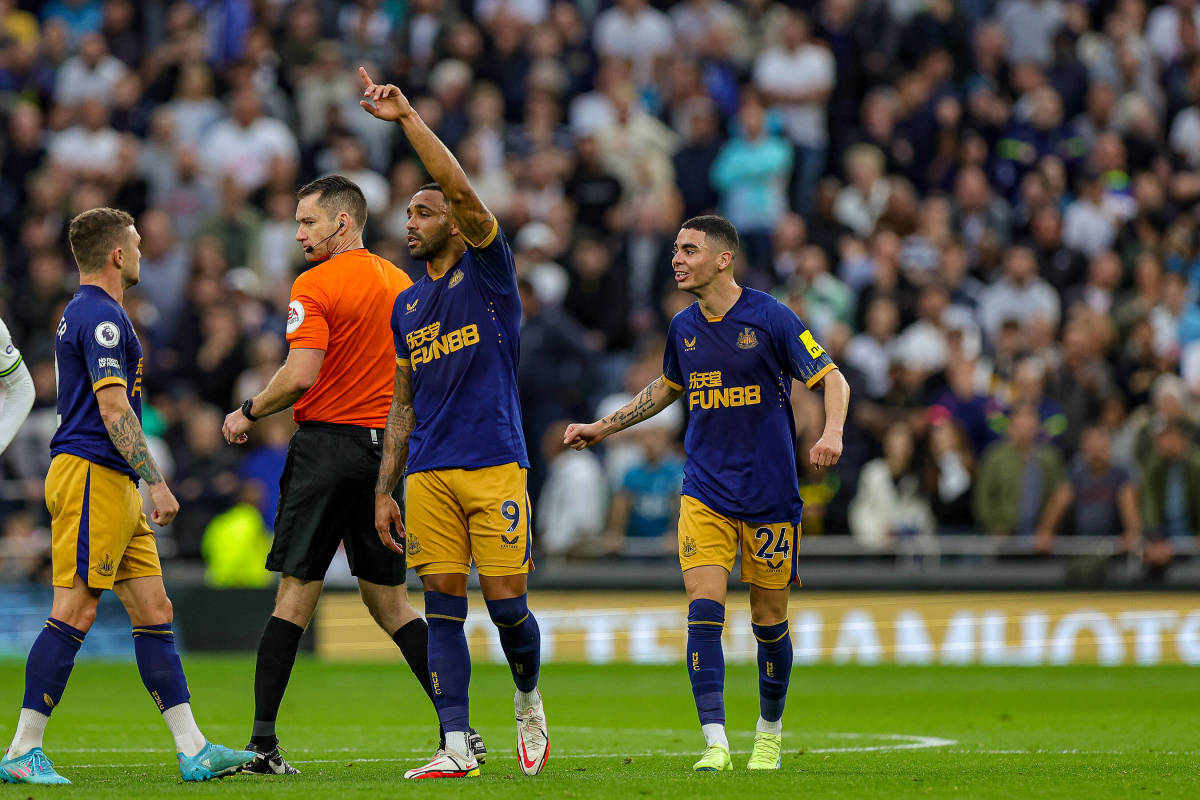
(710, 539)
(97, 527)
(454, 516)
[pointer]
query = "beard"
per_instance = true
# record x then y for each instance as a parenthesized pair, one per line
(427, 248)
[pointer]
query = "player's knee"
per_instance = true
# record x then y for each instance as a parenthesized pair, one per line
(509, 612)
(447, 583)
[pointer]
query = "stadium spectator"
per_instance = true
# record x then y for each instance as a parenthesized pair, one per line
(644, 506)
(571, 505)
(797, 77)
(1045, 176)
(751, 174)
(890, 506)
(1170, 488)
(1101, 497)
(242, 146)
(1019, 295)
(1016, 478)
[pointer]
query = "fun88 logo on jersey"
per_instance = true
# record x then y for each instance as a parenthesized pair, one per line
(429, 343)
(706, 391)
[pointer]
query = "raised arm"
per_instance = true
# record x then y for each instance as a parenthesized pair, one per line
(125, 431)
(651, 400)
(386, 101)
(400, 423)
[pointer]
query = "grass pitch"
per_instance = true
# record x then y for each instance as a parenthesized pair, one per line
(625, 731)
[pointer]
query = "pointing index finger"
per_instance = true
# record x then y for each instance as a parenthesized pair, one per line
(366, 79)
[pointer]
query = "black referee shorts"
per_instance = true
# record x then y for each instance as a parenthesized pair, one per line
(327, 496)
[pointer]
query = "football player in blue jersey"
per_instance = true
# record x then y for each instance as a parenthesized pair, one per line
(732, 356)
(99, 534)
(455, 426)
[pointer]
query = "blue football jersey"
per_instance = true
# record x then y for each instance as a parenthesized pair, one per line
(461, 336)
(95, 346)
(736, 373)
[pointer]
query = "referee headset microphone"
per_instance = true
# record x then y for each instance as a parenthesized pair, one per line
(311, 247)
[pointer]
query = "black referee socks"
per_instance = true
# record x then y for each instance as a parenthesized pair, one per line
(276, 656)
(413, 641)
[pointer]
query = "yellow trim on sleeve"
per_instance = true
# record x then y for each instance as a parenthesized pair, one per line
(404, 362)
(672, 384)
(13, 368)
(815, 379)
(109, 381)
(489, 239)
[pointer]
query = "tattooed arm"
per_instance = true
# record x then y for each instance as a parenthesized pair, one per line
(125, 431)
(651, 400)
(400, 423)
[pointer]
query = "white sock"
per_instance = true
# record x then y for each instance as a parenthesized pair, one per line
(775, 727)
(714, 733)
(188, 738)
(526, 700)
(31, 725)
(456, 742)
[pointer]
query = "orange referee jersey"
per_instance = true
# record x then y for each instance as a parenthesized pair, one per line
(344, 306)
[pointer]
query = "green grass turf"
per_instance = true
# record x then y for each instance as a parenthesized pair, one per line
(624, 731)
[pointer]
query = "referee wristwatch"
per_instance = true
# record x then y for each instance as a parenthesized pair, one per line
(246, 406)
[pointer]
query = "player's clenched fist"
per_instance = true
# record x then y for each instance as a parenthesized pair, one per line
(826, 452)
(387, 515)
(166, 507)
(579, 435)
(384, 100)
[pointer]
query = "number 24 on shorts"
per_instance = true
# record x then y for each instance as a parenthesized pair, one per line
(773, 542)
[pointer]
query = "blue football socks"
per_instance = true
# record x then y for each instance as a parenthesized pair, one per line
(706, 661)
(49, 665)
(774, 668)
(449, 659)
(520, 639)
(159, 665)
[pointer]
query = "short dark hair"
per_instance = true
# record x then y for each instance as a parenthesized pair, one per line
(96, 233)
(338, 194)
(716, 228)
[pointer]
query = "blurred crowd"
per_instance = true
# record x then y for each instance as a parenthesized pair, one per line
(986, 211)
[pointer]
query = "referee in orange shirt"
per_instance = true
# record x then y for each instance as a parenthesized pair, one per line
(338, 375)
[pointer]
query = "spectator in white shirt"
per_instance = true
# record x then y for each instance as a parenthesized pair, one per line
(633, 30)
(1020, 295)
(1162, 27)
(871, 351)
(1089, 224)
(243, 145)
(797, 76)
(90, 148)
(93, 74)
